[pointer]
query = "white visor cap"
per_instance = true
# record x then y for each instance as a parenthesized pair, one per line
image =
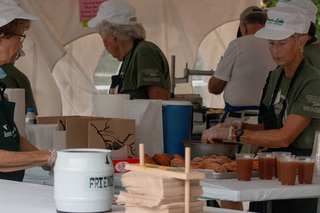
(10, 10)
(308, 7)
(283, 23)
(116, 12)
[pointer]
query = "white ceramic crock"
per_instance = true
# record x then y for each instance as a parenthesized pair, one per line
(83, 180)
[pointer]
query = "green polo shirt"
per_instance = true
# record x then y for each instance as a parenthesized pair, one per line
(147, 66)
(303, 99)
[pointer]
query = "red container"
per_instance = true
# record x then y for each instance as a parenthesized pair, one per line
(119, 165)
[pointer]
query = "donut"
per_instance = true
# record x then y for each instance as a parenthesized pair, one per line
(176, 162)
(211, 160)
(196, 165)
(167, 156)
(149, 160)
(225, 159)
(255, 165)
(160, 159)
(231, 167)
(197, 159)
(216, 167)
(177, 156)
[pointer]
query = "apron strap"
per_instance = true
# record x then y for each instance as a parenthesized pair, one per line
(2, 89)
(122, 73)
(228, 108)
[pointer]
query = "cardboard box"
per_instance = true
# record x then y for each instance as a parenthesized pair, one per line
(105, 133)
(94, 132)
(120, 165)
(60, 120)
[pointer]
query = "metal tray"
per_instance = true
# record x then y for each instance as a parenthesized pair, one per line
(224, 175)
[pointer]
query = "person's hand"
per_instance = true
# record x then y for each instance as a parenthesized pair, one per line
(51, 161)
(216, 132)
(237, 124)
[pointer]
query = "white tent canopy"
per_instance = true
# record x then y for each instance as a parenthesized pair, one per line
(62, 55)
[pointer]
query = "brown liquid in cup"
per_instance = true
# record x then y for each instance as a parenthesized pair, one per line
(288, 172)
(305, 172)
(244, 168)
(275, 167)
(266, 166)
(278, 170)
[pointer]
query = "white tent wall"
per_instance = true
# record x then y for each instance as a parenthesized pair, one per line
(62, 75)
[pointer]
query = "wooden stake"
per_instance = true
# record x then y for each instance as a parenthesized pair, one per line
(141, 154)
(187, 182)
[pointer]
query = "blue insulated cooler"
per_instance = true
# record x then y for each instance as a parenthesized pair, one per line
(177, 125)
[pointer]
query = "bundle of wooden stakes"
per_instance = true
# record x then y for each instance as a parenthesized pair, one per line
(159, 189)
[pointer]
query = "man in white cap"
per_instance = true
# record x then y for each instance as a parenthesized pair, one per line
(290, 106)
(311, 51)
(144, 73)
(16, 153)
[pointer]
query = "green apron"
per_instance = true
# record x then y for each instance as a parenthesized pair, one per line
(9, 135)
(117, 80)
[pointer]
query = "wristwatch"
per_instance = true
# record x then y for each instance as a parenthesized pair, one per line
(239, 132)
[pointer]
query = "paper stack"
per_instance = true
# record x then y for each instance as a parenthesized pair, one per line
(148, 193)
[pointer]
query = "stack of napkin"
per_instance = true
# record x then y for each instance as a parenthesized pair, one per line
(147, 193)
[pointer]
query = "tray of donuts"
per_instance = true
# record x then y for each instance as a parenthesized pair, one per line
(220, 167)
(217, 167)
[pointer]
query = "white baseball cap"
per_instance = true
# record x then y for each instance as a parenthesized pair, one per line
(10, 10)
(283, 22)
(308, 7)
(115, 11)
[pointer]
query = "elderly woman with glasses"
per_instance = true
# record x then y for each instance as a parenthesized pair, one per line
(290, 106)
(12, 35)
(16, 153)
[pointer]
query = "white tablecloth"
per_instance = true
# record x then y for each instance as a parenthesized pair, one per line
(35, 195)
(257, 190)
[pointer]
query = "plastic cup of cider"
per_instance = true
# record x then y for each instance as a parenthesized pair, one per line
(266, 165)
(277, 162)
(305, 169)
(288, 170)
(244, 166)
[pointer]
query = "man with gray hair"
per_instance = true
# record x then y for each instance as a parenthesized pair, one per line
(243, 70)
(144, 72)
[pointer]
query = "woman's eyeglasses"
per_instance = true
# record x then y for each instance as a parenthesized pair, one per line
(9, 35)
(22, 37)
(18, 55)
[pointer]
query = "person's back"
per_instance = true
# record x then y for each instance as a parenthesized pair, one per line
(246, 75)
(242, 71)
